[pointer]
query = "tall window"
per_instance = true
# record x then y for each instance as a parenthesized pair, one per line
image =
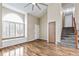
(13, 26)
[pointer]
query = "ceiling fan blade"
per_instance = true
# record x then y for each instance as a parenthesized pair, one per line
(27, 5)
(32, 7)
(38, 6)
(43, 4)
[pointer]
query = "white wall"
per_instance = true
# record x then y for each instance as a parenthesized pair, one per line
(77, 15)
(31, 22)
(54, 14)
(43, 27)
(68, 21)
(0, 23)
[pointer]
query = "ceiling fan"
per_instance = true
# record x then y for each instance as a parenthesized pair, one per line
(37, 4)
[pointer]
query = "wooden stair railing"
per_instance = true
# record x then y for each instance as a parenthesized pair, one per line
(76, 33)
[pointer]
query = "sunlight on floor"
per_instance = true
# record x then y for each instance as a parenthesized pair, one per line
(14, 52)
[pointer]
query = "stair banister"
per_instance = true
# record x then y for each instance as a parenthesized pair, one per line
(75, 30)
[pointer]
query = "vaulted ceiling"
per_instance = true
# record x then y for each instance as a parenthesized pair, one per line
(68, 8)
(67, 5)
(37, 9)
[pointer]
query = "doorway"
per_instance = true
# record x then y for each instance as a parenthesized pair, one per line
(52, 32)
(68, 20)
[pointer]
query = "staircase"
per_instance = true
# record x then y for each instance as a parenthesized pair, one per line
(68, 37)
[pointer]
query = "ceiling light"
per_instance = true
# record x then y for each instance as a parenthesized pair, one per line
(33, 3)
(69, 10)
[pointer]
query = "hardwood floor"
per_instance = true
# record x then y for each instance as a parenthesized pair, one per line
(38, 48)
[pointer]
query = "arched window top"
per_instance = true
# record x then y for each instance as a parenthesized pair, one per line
(12, 17)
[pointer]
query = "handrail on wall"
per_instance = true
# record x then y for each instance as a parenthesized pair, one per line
(76, 33)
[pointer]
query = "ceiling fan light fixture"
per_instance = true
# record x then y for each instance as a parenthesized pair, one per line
(35, 4)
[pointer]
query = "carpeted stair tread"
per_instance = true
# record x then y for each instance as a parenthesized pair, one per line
(68, 37)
